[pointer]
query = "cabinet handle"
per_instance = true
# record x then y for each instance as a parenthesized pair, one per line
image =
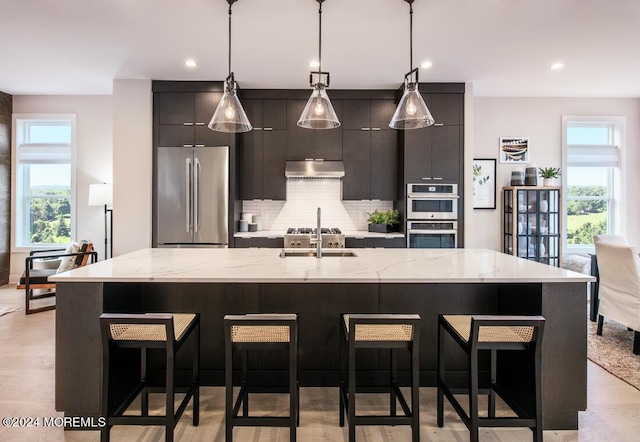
(199, 145)
(257, 128)
(437, 179)
(308, 159)
(187, 145)
(438, 124)
(268, 128)
(200, 124)
(187, 124)
(426, 178)
(365, 128)
(375, 128)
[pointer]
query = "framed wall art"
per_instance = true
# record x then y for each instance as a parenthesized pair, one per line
(514, 150)
(484, 183)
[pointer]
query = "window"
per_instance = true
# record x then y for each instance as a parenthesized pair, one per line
(592, 151)
(44, 178)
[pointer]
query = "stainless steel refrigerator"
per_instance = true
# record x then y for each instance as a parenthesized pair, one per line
(192, 196)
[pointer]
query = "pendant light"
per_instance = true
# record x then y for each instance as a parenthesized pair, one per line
(319, 113)
(229, 115)
(412, 112)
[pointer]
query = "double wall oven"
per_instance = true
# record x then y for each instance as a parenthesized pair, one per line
(432, 215)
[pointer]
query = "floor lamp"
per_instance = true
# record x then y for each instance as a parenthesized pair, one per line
(102, 195)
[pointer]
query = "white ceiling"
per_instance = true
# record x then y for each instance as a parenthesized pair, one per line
(505, 47)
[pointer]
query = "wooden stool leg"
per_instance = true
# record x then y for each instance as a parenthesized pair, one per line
(473, 395)
(228, 385)
(393, 380)
(351, 397)
(169, 416)
(440, 381)
(600, 324)
(196, 376)
(492, 394)
(415, 392)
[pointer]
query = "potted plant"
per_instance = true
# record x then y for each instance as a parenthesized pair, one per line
(549, 175)
(383, 221)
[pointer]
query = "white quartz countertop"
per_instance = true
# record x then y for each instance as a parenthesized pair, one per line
(349, 233)
(369, 266)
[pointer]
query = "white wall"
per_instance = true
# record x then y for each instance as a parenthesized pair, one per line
(132, 165)
(94, 158)
(540, 119)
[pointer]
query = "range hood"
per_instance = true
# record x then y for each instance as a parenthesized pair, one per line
(314, 169)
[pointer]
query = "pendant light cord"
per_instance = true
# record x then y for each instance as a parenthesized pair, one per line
(230, 3)
(320, 37)
(411, 35)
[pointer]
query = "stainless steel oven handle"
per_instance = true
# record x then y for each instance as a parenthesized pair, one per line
(431, 196)
(429, 232)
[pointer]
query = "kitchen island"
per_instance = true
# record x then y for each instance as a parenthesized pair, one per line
(215, 282)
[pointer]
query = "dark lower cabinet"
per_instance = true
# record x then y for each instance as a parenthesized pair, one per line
(393, 242)
(260, 241)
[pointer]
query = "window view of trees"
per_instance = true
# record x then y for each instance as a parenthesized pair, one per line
(50, 215)
(586, 217)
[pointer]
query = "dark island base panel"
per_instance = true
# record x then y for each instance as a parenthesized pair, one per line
(79, 347)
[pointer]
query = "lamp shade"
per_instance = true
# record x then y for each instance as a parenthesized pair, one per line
(412, 112)
(101, 194)
(319, 112)
(229, 115)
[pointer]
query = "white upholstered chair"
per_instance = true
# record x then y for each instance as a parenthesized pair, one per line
(619, 292)
(616, 239)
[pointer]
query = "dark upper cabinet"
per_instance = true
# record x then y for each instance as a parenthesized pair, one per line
(183, 118)
(356, 183)
(370, 151)
(447, 109)
(433, 153)
(262, 151)
(303, 144)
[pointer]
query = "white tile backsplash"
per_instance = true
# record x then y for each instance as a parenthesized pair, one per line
(303, 199)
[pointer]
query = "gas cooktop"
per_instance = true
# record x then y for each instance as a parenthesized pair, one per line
(313, 231)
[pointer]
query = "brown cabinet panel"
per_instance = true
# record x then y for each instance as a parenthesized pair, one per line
(175, 107)
(253, 109)
(381, 113)
(205, 105)
(356, 184)
(417, 154)
(174, 135)
(275, 114)
(384, 165)
(274, 157)
(447, 109)
(356, 114)
(445, 152)
(250, 164)
(300, 142)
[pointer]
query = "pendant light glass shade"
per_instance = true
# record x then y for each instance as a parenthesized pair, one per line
(412, 112)
(229, 115)
(319, 113)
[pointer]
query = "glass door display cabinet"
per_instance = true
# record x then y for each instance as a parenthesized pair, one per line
(531, 223)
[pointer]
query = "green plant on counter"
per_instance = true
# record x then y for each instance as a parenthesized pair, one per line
(549, 172)
(388, 217)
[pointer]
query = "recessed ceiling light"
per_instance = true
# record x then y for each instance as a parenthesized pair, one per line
(556, 66)
(426, 65)
(314, 64)
(190, 63)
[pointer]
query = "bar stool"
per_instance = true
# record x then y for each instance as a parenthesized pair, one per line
(493, 333)
(385, 331)
(144, 331)
(260, 332)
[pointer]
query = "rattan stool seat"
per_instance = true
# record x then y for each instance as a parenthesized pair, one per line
(381, 332)
(151, 332)
(506, 333)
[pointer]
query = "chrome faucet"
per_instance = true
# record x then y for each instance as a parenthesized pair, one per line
(319, 231)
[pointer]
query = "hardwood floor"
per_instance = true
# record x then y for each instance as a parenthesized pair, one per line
(27, 390)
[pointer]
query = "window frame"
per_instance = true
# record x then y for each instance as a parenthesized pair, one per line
(615, 182)
(18, 202)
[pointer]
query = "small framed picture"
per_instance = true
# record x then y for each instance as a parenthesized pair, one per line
(514, 150)
(484, 183)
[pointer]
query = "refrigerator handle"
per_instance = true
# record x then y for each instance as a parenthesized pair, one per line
(188, 187)
(196, 192)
